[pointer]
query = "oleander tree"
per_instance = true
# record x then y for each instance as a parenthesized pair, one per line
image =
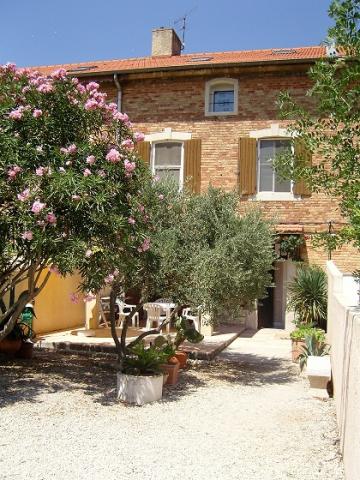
(71, 188)
(331, 129)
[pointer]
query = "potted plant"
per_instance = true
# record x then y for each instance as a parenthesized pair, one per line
(185, 330)
(140, 380)
(315, 356)
(171, 366)
(298, 338)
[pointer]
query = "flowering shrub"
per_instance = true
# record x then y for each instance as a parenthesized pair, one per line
(70, 186)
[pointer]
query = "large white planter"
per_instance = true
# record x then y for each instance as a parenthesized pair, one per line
(318, 370)
(139, 389)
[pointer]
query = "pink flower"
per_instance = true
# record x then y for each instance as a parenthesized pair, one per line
(91, 104)
(92, 86)
(86, 172)
(131, 220)
(62, 170)
(45, 88)
(12, 172)
(129, 166)
(74, 298)
(90, 160)
(28, 235)
(121, 116)
(54, 269)
(51, 218)
(76, 198)
(111, 107)
(59, 74)
(144, 246)
(113, 156)
(156, 178)
(80, 88)
(39, 149)
(72, 149)
(40, 171)
(161, 196)
(101, 173)
(24, 195)
(63, 150)
(68, 163)
(9, 67)
(109, 279)
(75, 81)
(141, 208)
(37, 113)
(139, 137)
(89, 297)
(37, 206)
(128, 143)
(88, 253)
(25, 89)
(17, 113)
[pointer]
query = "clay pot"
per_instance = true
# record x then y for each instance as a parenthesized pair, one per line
(296, 349)
(172, 369)
(26, 350)
(182, 358)
(10, 346)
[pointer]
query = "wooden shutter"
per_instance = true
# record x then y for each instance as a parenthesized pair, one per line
(303, 156)
(192, 171)
(247, 165)
(143, 149)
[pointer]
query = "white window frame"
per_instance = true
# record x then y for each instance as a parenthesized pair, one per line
(169, 167)
(275, 132)
(168, 136)
(211, 86)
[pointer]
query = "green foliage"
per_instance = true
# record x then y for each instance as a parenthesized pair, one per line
(186, 331)
(308, 296)
(303, 331)
(211, 256)
(314, 347)
(290, 246)
(331, 128)
(144, 360)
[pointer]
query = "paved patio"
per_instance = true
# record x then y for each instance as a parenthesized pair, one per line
(247, 415)
(102, 342)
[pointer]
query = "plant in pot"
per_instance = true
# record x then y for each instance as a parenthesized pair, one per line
(185, 330)
(298, 338)
(171, 365)
(140, 380)
(19, 341)
(315, 346)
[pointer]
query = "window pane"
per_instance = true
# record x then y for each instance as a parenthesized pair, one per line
(168, 154)
(282, 185)
(281, 146)
(223, 101)
(268, 150)
(266, 178)
(173, 174)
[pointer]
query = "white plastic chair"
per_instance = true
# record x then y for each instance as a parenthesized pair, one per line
(153, 312)
(188, 313)
(125, 311)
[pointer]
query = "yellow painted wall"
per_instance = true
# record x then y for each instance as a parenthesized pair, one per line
(53, 308)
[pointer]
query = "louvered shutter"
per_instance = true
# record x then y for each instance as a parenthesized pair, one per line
(247, 165)
(192, 154)
(304, 156)
(143, 149)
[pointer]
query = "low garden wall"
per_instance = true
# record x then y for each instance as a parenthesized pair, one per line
(344, 338)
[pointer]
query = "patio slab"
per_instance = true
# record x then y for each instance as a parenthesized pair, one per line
(101, 341)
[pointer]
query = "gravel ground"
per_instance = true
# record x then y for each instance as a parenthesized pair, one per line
(243, 416)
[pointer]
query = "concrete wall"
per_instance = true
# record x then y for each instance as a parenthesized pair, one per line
(344, 338)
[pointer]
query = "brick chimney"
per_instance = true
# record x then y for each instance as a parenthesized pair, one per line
(165, 42)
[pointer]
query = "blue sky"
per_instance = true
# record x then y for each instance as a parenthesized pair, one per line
(38, 32)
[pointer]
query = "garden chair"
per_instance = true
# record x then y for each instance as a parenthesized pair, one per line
(193, 316)
(125, 311)
(104, 307)
(153, 312)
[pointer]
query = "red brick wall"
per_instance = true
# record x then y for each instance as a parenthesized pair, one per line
(155, 104)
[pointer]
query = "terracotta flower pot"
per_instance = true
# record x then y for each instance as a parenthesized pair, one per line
(182, 358)
(296, 349)
(172, 369)
(10, 346)
(26, 350)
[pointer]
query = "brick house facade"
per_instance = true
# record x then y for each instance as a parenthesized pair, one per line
(171, 98)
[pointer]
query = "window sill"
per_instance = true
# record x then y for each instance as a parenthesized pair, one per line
(220, 114)
(275, 196)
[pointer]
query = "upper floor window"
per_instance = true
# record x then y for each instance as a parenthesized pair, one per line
(221, 96)
(167, 160)
(268, 179)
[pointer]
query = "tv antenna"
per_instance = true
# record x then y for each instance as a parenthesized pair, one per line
(182, 22)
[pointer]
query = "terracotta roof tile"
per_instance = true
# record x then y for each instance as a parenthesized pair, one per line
(189, 60)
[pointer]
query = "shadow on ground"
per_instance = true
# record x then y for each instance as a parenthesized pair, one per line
(95, 376)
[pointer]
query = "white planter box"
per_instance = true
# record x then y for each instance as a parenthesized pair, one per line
(139, 389)
(318, 370)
